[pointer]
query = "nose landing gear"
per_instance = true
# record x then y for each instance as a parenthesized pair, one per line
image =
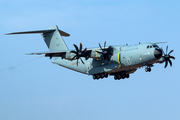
(148, 69)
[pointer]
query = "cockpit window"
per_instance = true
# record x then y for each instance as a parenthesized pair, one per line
(152, 46)
(155, 46)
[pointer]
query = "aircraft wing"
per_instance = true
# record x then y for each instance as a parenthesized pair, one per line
(116, 71)
(55, 53)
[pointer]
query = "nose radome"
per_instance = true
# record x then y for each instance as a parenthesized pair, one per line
(158, 53)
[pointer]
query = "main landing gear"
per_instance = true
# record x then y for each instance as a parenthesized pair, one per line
(105, 75)
(101, 75)
(121, 76)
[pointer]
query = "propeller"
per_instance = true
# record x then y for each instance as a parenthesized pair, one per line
(105, 53)
(79, 53)
(167, 57)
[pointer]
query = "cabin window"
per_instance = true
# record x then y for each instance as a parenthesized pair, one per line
(148, 46)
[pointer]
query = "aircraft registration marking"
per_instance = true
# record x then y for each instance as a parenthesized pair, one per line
(119, 60)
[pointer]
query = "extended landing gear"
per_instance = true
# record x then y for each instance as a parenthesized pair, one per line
(105, 75)
(148, 69)
(101, 75)
(121, 76)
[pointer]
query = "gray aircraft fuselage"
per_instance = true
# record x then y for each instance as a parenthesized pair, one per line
(119, 61)
(124, 58)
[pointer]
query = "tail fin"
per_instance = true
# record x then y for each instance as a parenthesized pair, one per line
(54, 40)
(52, 37)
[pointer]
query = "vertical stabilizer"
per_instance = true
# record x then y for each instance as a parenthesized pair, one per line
(54, 40)
(52, 37)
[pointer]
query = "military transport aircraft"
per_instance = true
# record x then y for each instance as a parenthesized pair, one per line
(100, 62)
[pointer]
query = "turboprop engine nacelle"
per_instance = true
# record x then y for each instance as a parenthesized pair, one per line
(95, 55)
(68, 55)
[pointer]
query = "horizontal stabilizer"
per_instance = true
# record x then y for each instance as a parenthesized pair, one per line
(50, 54)
(40, 31)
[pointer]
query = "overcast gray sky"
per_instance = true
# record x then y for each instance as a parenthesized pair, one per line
(41, 90)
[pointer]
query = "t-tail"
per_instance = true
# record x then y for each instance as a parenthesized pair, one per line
(52, 37)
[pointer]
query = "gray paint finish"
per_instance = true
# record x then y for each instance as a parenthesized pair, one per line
(122, 59)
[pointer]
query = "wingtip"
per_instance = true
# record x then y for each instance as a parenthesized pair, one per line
(7, 34)
(28, 53)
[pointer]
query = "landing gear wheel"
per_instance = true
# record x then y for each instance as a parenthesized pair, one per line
(94, 77)
(127, 76)
(106, 75)
(148, 69)
(115, 77)
(97, 76)
(118, 77)
(123, 76)
(102, 75)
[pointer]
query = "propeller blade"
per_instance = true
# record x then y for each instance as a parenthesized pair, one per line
(166, 57)
(170, 62)
(79, 53)
(84, 50)
(100, 46)
(99, 52)
(77, 62)
(111, 53)
(87, 57)
(104, 44)
(82, 61)
(76, 48)
(104, 61)
(108, 58)
(166, 64)
(105, 53)
(166, 49)
(74, 52)
(162, 50)
(109, 47)
(170, 52)
(80, 47)
(172, 57)
(104, 57)
(73, 57)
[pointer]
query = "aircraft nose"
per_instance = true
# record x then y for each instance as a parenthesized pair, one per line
(158, 53)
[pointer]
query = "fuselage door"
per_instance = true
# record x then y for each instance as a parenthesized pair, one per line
(88, 66)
